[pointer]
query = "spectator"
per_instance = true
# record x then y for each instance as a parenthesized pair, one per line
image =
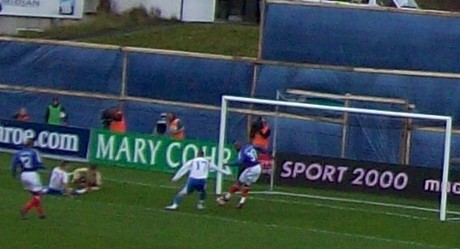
(118, 123)
(56, 113)
(161, 125)
(107, 116)
(88, 179)
(22, 115)
(176, 128)
(113, 119)
(259, 134)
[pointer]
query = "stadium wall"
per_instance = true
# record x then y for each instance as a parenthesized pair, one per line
(90, 78)
(361, 36)
(187, 79)
(62, 67)
(436, 95)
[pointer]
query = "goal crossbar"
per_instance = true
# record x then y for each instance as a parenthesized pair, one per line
(447, 140)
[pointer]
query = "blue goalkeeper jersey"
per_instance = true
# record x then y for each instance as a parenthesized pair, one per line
(27, 160)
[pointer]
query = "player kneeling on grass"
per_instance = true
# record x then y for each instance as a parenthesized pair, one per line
(199, 168)
(29, 162)
(248, 159)
(59, 181)
(88, 179)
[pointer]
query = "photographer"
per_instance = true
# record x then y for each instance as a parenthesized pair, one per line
(259, 134)
(113, 119)
(161, 126)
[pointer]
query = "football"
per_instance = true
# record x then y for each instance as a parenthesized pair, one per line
(220, 200)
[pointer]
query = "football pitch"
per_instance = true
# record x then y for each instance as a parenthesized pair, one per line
(128, 213)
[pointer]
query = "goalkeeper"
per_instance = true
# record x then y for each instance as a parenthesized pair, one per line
(199, 168)
(247, 157)
(88, 179)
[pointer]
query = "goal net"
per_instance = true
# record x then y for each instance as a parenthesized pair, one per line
(354, 154)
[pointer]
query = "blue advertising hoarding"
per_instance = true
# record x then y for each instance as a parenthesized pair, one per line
(58, 141)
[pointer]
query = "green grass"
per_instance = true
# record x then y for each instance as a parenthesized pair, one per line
(226, 39)
(128, 213)
(136, 29)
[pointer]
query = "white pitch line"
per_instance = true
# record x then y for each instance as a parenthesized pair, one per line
(355, 201)
(311, 230)
(317, 204)
(291, 202)
(349, 209)
(320, 231)
(275, 226)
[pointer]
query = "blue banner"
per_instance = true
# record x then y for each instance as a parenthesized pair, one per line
(61, 67)
(49, 139)
(360, 37)
(187, 79)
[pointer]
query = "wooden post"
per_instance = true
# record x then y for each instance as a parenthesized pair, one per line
(345, 128)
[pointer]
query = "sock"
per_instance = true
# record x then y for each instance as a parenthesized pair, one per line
(202, 196)
(234, 188)
(29, 205)
(177, 199)
(38, 206)
(243, 199)
(245, 191)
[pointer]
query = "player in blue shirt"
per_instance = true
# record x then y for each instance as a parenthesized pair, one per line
(248, 160)
(28, 161)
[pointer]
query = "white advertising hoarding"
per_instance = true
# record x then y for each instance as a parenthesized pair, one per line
(184, 10)
(198, 10)
(42, 8)
(168, 9)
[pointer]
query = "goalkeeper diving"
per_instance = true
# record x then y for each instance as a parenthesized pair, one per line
(199, 168)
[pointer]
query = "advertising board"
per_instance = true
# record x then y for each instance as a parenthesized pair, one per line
(363, 176)
(149, 152)
(60, 141)
(72, 9)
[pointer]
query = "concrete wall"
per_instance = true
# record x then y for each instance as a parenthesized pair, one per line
(9, 25)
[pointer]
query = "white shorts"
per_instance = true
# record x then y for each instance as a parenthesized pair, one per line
(250, 175)
(31, 181)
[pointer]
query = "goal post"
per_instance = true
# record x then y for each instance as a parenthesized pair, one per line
(225, 109)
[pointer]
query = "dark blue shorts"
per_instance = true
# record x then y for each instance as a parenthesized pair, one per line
(54, 192)
(196, 185)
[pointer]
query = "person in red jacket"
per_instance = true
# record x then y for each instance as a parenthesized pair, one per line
(118, 123)
(175, 127)
(259, 134)
(113, 119)
(260, 138)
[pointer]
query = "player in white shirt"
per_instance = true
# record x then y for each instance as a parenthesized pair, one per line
(59, 181)
(199, 168)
